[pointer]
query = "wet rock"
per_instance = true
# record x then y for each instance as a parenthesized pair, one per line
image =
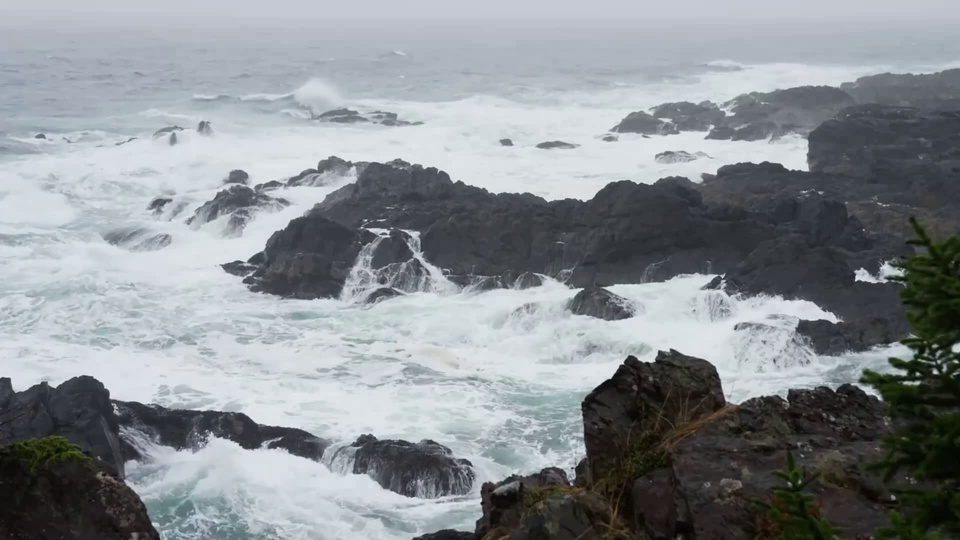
(410, 276)
(172, 140)
(310, 258)
(136, 238)
(602, 304)
(759, 131)
(238, 268)
(680, 156)
(447, 534)
(350, 116)
(834, 339)
(766, 347)
(157, 205)
(78, 410)
(342, 116)
(392, 249)
(610, 138)
(166, 131)
(528, 280)
(40, 136)
(238, 201)
(187, 429)
(334, 165)
(645, 124)
(381, 294)
(557, 145)
(63, 499)
(721, 133)
(798, 109)
(237, 176)
(272, 185)
(204, 128)
(425, 469)
(121, 143)
(689, 116)
(506, 142)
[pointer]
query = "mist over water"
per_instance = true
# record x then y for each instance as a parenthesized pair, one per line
(498, 384)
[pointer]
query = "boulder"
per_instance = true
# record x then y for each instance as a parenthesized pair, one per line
(557, 145)
(137, 238)
(190, 430)
(506, 142)
(156, 205)
(602, 304)
(425, 469)
(65, 498)
(504, 505)
(172, 139)
(528, 280)
(238, 268)
(350, 116)
(204, 128)
(237, 177)
(78, 410)
(610, 138)
(310, 258)
(689, 116)
(645, 124)
(40, 136)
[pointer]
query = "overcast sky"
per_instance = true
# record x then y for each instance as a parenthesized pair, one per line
(893, 10)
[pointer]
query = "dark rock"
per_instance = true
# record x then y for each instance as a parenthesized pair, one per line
(166, 131)
(310, 258)
(78, 410)
(238, 268)
(121, 143)
(391, 249)
(676, 157)
(67, 499)
(690, 116)
(503, 503)
(269, 186)
(185, 429)
(929, 91)
(506, 142)
(410, 276)
(156, 205)
(447, 534)
(425, 469)
(645, 124)
(759, 131)
(610, 138)
(551, 145)
(172, 139)
(568, 516)
(350, 116)
(797, 109)
(602, 304)
(239, 202)
(342, 116)
(834, 339)
(643, 398)
(381, 294)
(136, 238)
(40, 136)
(237, 177)
(334, 165)
(528, 280)
(474, 283)
(204, 128)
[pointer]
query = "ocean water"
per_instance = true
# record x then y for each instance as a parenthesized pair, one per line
(500, 387)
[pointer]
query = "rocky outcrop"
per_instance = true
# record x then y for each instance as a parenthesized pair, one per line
(557, 145)
(798, 109)
(66, 498)
(392, 249)
(928, 91)
(602, 304)
(381, 294)
(190, 430)
(528, 280)
(425, 469)
(310, 258)
(350, 116)
(645, 124)
(137, 238)
(687, 116)
(668, 457)
(204, 128)
(328, 171)
(78, 410)
(240, 203)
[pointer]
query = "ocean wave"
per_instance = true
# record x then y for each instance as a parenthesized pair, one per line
(725, 65)
(212, 97)
(316, 95)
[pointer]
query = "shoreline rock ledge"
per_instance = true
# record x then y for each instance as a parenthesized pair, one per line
(668, 457)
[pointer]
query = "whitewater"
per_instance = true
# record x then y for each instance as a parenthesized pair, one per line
(498, 384)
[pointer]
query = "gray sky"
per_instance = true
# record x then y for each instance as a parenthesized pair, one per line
(851, 10)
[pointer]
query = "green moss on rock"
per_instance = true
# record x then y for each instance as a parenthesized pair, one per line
(46, 451)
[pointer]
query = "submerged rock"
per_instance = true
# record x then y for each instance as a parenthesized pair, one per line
(381, 294)
(678, 157)
(690, 116)
(157, 205)
(425, 469)
(350, 116)
(186, 429)
(557, 145)
(602, 304)
(238, 201)
(137, 238)
(610, 138)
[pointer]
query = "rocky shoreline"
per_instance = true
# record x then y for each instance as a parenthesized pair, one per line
(667, 455)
